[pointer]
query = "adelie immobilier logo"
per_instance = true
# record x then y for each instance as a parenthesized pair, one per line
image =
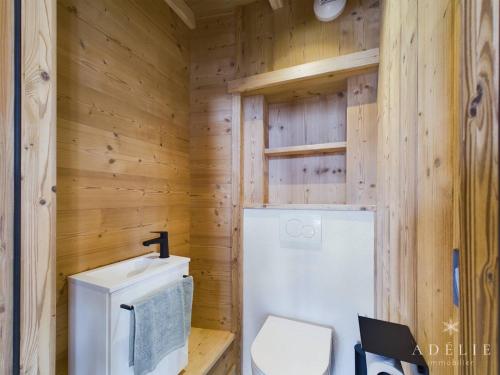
(453, 354)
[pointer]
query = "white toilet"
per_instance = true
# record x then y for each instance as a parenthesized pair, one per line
(289, 347)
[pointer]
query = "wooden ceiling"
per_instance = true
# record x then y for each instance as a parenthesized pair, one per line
(207, 8)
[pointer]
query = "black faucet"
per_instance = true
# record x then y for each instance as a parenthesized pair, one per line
(163, 241)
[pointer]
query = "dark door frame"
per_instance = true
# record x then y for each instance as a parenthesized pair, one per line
(16, 319)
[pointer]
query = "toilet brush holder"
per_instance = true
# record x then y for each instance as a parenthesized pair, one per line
(398, 343)
(359, 360)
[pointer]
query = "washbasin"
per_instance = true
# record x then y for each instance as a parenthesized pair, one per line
(99, 328)
(119, 275)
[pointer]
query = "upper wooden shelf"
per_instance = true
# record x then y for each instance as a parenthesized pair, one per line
(332, 69)
(322, 148)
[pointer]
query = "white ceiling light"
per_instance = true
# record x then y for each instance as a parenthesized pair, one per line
(328, 10)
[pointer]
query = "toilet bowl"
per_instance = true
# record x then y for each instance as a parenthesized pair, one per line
(288, 347)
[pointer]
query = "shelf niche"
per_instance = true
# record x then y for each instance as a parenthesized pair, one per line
(309, 146)
(313, 177)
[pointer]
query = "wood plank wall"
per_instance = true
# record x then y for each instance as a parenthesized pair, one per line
(362, 139)
(253, 40)
(436, 172)
(123, 136)
(255, 120)
(417, 169)
(292, 35)
(213, 63)
(479, 195)
(6, 184)
(397, 104)
(38, 186)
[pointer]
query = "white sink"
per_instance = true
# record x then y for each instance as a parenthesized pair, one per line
(119, 275)
(99, 328)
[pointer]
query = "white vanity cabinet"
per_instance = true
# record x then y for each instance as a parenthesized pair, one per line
(99, 328)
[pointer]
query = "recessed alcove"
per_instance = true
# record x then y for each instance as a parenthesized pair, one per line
(309, 132)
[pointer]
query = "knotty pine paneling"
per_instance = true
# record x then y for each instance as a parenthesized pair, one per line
(416, 170)
(255, 134)
(213, 63)
(292, 35)
(436, 172)
(361, 155)
(38, 186)
(6, 185)
(123, 136)
(479, 190)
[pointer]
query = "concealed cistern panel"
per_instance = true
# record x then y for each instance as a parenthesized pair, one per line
(300, 231)
(313, 266)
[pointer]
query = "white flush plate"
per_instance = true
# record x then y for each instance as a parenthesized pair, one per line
(300, 231)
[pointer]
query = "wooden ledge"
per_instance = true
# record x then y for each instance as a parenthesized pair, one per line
(206, 347)
(335, 67)
(305, 150)
(313, 206)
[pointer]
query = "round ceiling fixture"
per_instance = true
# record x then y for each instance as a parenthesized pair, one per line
(328, 10)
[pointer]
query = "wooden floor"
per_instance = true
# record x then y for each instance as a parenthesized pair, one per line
(206, 347)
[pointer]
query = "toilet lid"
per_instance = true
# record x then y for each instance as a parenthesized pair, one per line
(288, 347)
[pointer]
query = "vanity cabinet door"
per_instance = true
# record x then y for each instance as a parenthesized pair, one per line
(119, 325)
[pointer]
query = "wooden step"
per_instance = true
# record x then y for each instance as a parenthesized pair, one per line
(206, 347)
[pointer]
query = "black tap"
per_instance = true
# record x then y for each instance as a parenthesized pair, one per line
(162, 240)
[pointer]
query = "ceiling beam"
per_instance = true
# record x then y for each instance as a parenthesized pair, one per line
(183, 11)
(276, 4)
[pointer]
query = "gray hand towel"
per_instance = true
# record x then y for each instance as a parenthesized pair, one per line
(160, 323)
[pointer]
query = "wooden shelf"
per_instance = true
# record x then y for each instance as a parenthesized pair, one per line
(322, 148)
(332, 69)
(313, 206)
(206, 347)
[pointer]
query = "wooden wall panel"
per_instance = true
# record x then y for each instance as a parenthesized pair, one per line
(436, 172)
(479, 191)
(38, 186)
(213, 63)
(255, 133)
(292, 35)
(417, 170)
(6, 184)
(236, 227)
(389, 292)
(361, 156)
(123, 136)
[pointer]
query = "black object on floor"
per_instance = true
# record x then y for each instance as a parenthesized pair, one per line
(391, 340)
(360, 360)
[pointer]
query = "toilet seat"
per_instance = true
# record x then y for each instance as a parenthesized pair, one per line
(288, 347)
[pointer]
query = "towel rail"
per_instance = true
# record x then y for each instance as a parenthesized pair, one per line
(130, 307)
